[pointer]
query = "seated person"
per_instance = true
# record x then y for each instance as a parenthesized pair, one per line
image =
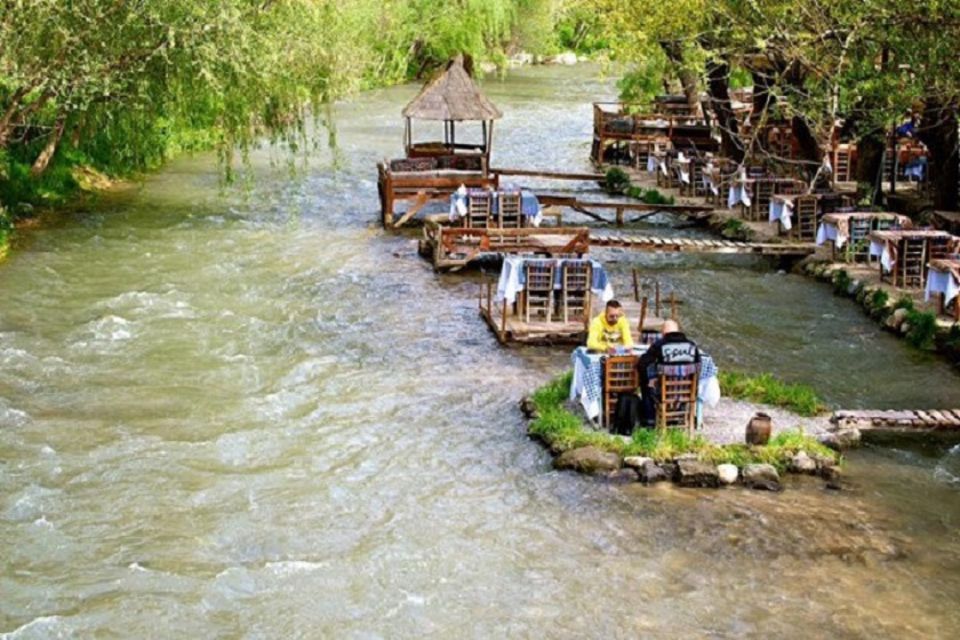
(673, 348)
(610, 330)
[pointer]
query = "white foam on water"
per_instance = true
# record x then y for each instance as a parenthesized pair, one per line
(45, 627)
(948, 469)
(111, 328)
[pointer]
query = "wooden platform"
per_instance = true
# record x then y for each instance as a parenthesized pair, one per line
(511, 329)
(660, 244)
(900, 420)
(619, 208)
(456, 247)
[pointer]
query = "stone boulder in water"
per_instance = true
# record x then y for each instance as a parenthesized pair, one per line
(588, 460)
(694, 473)
(728, 473)
(762, 476)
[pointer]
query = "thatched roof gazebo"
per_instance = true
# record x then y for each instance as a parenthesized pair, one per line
(451, 97)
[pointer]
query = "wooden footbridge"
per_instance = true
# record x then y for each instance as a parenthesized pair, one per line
(661, 244)
(449, 247)
(914, 420)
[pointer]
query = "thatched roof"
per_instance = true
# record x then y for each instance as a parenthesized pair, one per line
(452, 95)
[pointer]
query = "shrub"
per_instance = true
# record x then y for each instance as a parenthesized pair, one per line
(879, 299)
(841, 281)
(904, 302)
(616, 180)
(923, 328)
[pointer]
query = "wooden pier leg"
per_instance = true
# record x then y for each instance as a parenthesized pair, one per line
(673, 306)
(657, 299)
(490, 298)
(588, 309)
(619, 216)
(643, 318)
(503, 322)
(636, 286)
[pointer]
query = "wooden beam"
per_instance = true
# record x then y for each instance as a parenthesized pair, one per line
(417, 205)
(555, 175)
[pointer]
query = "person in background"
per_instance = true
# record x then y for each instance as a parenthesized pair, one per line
(610, 330)
(909, 128)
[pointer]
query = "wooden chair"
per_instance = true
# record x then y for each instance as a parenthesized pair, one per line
(858, 245)
(805, 228)
(696, 188)
(479, 206)
(510, 216)
(676, 396)
(619, 376)
(576, 277)
(538, 291)
(912, 262)
(762, 194)
(841, 163)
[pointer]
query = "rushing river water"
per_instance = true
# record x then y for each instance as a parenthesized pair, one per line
(263, 417)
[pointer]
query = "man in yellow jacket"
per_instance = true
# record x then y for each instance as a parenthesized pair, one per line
(609, 330)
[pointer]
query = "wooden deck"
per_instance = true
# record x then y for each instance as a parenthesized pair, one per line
(456, 247)
(660, 244)
(512, 329)
(589, 207)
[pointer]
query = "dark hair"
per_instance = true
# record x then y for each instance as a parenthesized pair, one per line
(613, 304)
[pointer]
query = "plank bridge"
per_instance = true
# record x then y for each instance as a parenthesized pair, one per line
(900, 420)
(662, 244)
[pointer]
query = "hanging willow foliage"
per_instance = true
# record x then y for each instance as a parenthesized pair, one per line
(122, 85)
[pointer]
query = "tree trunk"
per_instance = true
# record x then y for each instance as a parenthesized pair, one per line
(7, 117)
(688, 79)
(870, 149)
(43, 160)
(939, 132)
(718, 87)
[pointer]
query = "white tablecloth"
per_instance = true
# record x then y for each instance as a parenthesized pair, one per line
(782, 210)
(710, 186)
(882, 250)
(827, 231)
(511, 279)
(738, 194)
(941, 282)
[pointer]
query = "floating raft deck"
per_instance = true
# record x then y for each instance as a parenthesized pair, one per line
(914, 420)
(456, 247)
(512, 329)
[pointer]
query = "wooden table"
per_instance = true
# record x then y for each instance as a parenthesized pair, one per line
(904, 253)
(842, 229)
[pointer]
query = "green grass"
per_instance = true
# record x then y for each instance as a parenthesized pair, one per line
(562, 431)
(766, 389)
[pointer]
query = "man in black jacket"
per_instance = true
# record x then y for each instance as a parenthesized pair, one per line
(673, 348)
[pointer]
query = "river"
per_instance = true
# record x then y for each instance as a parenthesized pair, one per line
(254, 414)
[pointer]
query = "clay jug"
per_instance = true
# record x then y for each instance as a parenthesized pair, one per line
(758, 429)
